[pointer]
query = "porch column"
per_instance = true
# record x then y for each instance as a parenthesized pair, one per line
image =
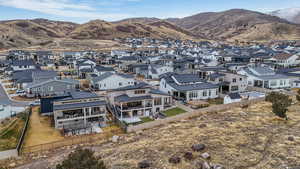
(121, 111)
(84, 119)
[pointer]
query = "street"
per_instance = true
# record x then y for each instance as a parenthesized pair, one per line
(5, 100)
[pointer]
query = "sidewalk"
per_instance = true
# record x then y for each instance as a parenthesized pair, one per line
(184, 107)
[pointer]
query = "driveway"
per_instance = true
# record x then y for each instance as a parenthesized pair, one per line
(5, 100)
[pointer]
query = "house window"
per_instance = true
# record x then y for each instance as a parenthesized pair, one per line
(234, 88)
(204, 93)
(209, 93)
(68, 87)
(139, 92)
(157, 101)
(120, 84)
(51, 88)
(273, 83)
(281, 82)
(193, 94)
(234, 80)
(241, 79)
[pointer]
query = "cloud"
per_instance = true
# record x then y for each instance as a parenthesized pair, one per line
(64, 8)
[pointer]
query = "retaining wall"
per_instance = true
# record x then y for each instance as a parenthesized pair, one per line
(195, 113)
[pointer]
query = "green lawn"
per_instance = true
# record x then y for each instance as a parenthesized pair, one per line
(174, 112)
(146, 119)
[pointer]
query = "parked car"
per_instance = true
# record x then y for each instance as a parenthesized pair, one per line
(20, 91)
(36, 103)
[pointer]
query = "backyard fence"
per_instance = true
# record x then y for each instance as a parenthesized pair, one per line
(192, 114)
(16, 151)
(21, 140)
(70, 141)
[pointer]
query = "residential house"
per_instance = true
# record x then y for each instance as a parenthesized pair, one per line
(188, 87)
(51, 87)
(109, 81)
(100, 70)
(131, 103)
(76, 112)
(285, 59)
(154, 71)
(229, 82)
(23, 78)
(23, 65)
(265, 77)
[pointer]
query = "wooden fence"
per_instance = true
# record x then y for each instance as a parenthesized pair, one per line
(76, 140)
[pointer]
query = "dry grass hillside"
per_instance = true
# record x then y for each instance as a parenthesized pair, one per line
(249, 138)
(104, 30)
(270, 31)
(239, 24)
(47, 33)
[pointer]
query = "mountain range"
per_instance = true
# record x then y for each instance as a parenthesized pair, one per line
(232, 25)
(290, 14)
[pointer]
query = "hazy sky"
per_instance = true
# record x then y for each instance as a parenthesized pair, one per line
(84, 10)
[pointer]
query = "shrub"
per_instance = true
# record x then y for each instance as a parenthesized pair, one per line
(298, 95)
(81, 158)
(280, 103)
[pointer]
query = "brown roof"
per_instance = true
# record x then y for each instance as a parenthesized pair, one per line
(282, 56)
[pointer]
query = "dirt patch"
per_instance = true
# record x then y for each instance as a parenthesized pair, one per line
(22, 98)
(40, 130)
(251, 138)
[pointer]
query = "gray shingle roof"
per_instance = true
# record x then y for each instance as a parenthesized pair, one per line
(189, 82)
(187, 78)
(266, 75)
(191, 87)
(78, 105)
(159, 92)
(262, 71)
(141, 85)
(104, 69)
(23, 63)
(126, 98)
(70, 81)
(108, 74)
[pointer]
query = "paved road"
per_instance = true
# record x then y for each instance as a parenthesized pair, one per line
(4, 99)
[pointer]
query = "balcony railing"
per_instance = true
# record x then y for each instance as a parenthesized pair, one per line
(97, 113)
(70, 116)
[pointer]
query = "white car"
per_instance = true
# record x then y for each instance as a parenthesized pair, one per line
(36, 103)
(20, 91)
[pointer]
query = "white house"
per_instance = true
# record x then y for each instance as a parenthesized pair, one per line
(154, 71)
(133, 102)
(265, 77)
(296, 84)
(23, 65)
(100, 70)
(109, 81)
(285, 59)
(188, 87)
